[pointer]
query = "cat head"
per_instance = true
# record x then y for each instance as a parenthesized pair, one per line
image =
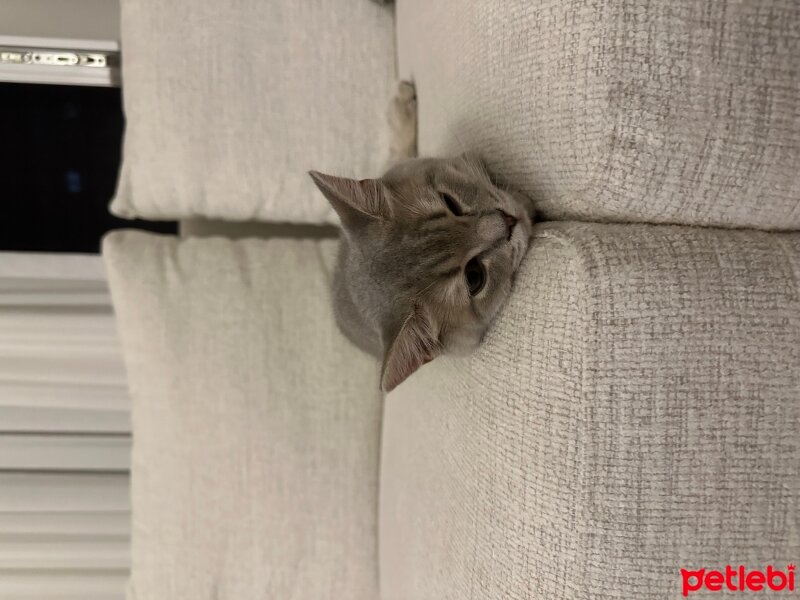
(438, 243)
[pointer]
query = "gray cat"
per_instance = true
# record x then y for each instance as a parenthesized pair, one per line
(427, 254)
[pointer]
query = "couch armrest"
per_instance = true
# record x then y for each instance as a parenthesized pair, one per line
(634, 410)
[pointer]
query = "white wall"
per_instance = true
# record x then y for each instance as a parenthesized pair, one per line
(73, 19)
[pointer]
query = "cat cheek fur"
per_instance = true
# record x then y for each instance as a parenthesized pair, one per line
(462, 341)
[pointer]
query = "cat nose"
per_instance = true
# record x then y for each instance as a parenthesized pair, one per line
(509, 221)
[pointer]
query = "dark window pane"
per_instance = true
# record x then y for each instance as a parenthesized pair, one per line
(59, 159)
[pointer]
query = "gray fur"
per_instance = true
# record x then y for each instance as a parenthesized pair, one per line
(400, 290)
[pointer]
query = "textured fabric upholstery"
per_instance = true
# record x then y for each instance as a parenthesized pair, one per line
(229, 104)
(634, 410)
(679, 111)
(255, 423)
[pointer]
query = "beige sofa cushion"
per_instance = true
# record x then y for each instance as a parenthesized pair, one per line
(633, 411)
(255, 423)
(229, 104)
(671, 112)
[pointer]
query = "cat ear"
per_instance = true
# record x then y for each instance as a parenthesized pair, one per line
(415, 344)
(354, 201)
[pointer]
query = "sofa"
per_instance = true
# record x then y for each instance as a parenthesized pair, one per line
(629, 426)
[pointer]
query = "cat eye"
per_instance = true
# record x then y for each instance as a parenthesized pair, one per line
(451, 204)
(475, 275)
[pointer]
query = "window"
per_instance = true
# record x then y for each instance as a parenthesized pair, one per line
(59, 161)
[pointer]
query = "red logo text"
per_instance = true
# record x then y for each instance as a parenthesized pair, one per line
(738, 579)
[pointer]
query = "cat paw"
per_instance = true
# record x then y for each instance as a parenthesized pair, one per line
(403, 110)
(403, 121)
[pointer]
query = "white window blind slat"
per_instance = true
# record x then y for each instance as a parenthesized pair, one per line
(90, 396)
(65, 555)
(71, 369)
(96, 524)
(61, 324)
(62, 420)
(27, 452)
(49, 585)
(50, 266)
(33, 292)
(74, 492)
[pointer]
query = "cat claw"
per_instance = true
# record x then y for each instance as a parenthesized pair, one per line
(405, 91)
